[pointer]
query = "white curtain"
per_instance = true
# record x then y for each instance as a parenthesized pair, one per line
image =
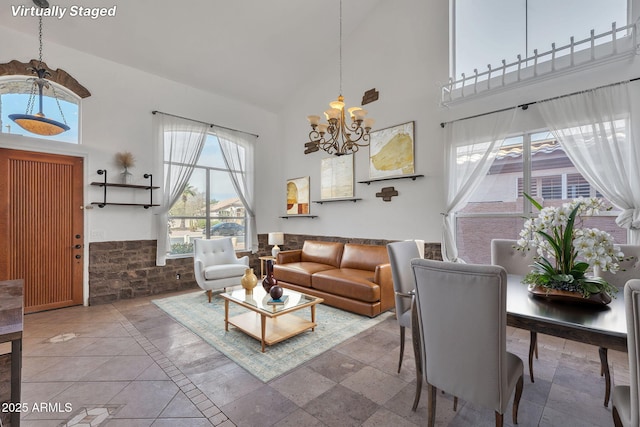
(238, 151)
(178, 141)
(597, 130)
(471, 146)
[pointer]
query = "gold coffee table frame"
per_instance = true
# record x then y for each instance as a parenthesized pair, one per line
(270, 324)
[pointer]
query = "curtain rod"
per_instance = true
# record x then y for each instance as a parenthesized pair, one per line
(526, 105)
(204, 123)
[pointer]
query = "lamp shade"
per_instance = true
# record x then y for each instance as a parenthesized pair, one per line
(276, 238)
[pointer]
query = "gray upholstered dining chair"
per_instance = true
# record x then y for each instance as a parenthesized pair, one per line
(462, 317)
(629, 267)
(505, 254)
(215, 264)
(626, 411)
(400, 256)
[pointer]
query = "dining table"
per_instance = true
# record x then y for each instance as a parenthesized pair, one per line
(600, 325)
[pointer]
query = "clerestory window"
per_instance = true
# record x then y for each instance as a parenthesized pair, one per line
(488, 31)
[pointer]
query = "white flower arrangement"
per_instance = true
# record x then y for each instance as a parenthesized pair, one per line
(566, 252)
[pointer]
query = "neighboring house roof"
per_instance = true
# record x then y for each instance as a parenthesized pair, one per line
(548, 146)
(228, 203)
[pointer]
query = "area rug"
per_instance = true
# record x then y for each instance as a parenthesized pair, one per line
(207, 321)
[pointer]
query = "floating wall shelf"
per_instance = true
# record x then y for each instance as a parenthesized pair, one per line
(106, 184)
(299, 216)
(335, 200)
(411, 177)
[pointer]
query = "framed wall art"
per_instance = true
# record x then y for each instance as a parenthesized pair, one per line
(336, 177)
(391, 152)
(298, 196)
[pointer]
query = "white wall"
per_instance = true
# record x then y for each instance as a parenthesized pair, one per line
(117, 117)
(401, 49)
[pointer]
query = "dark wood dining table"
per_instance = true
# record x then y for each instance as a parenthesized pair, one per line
(603, 326)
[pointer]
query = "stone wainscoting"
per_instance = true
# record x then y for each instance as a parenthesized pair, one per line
(127, 269)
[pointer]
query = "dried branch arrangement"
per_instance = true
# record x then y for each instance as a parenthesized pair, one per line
(125, 159)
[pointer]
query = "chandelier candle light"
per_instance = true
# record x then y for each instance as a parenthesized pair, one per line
(38, 123)
(337, 137)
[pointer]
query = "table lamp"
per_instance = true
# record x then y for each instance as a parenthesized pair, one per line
(276, 239)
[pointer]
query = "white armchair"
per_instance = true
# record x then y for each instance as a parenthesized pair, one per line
(216, 265)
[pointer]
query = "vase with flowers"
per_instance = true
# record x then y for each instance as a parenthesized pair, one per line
(567, 252)
(125, 160)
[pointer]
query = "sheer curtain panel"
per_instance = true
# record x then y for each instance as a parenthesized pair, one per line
(471, 146)
(598, 131)
(178, 143)
(238, 151)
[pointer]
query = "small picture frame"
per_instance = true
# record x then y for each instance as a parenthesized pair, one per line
(336, 177)
(298, 196)
(391, 152)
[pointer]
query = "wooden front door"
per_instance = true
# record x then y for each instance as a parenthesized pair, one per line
(41, 227)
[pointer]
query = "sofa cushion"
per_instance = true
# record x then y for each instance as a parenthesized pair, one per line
(364, 257)
(224, 271)
(298, 273)
(329, 253)
(347, 282)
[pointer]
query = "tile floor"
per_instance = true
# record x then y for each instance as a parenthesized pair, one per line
(128, 364)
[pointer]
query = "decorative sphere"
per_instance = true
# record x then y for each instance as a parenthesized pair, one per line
(276, 291)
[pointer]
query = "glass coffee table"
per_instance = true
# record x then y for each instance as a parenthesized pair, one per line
(267, 323)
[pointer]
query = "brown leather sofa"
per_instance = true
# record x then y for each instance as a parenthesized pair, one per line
(349, 276)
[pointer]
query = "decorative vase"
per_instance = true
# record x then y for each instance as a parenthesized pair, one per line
(125, 176)
(249, 280)
(269, 280)
(572, 297)
(276, 291)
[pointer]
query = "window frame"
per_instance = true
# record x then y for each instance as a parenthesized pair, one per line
(528, 210)
(455, 73)
(207, 217)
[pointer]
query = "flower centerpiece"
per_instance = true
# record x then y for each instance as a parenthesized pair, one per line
(567, 251)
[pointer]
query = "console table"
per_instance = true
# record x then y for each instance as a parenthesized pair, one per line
(11, 326)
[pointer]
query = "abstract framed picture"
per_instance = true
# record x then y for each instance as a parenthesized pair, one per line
(298, 196)
(336, 177)
(391, 152)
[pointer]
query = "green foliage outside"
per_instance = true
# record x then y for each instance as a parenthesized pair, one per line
(182, 248)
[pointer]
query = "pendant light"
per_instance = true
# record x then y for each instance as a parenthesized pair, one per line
(337, 136)
(38, 123)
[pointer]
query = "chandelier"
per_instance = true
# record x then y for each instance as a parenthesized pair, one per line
(336, 136)
(38, 123)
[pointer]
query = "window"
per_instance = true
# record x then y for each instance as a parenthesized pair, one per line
(14, 97)
(488, 31)
(498, 209)
(209, 206)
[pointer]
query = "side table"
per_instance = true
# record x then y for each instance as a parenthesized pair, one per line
(11, 326)
(263, 259)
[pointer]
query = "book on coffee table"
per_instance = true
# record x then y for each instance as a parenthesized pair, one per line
(283, 300)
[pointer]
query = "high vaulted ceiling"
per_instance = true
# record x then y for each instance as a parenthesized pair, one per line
(255, 51)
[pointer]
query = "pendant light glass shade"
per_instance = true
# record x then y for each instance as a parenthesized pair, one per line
(38, 124)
